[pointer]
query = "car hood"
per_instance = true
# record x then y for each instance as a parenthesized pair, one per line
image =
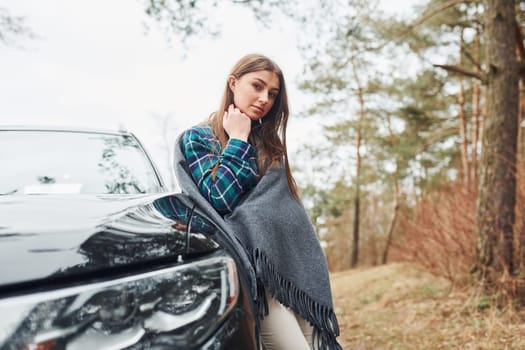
(56, 236)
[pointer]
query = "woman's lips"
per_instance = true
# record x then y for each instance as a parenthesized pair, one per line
(257, 109)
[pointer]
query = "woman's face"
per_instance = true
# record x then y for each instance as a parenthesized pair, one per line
(255, 93)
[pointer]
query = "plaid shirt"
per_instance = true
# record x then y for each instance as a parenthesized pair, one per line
(237, 172)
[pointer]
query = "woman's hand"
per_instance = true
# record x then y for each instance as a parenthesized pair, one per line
(236, 124)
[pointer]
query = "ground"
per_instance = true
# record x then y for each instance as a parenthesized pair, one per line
(399, 306)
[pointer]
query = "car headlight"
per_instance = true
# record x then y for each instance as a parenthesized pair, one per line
(177, 306)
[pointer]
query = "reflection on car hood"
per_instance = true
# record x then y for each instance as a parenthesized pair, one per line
(44, 236)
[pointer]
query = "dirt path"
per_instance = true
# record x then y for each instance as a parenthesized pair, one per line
(398, 306)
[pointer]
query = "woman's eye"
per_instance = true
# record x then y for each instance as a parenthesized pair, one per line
(272, 95)
(257, 86)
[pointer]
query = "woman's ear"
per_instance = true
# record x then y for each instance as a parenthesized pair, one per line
(231, 82)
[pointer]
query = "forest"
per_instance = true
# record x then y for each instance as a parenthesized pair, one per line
(438, 150)
(429, 140)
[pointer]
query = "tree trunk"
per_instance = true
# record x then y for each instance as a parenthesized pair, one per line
(520, 172)
(520, 142)
(475, 112)
(393, 221)
(355, 241)
(520, 49)
(497, 186)
(357, 198)
(476, 99)
(463, 123)
(520, 156)
(475, 131)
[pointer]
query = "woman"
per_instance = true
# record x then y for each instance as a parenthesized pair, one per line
(238, 163)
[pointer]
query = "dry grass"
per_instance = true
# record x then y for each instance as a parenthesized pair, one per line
(399, 306)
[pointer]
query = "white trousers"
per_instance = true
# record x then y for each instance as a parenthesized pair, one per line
(282, 329)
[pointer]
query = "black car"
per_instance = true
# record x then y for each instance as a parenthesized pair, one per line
(96, 254)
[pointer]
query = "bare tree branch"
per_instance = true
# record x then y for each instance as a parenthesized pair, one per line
(427, 16)
(463, 71)
(423, 18)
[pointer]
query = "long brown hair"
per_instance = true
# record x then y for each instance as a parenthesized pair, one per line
(269, 137)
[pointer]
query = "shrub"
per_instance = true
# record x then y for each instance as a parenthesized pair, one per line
(440, 233)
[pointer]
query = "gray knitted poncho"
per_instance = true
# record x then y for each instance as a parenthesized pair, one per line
(278, 249)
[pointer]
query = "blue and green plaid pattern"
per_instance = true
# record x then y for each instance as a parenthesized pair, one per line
(237, 172)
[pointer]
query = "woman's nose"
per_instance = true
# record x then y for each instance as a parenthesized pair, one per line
(263, 97)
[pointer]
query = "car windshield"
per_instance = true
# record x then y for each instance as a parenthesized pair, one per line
(37, 162)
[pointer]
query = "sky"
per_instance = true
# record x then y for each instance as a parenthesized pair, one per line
(93, 66)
